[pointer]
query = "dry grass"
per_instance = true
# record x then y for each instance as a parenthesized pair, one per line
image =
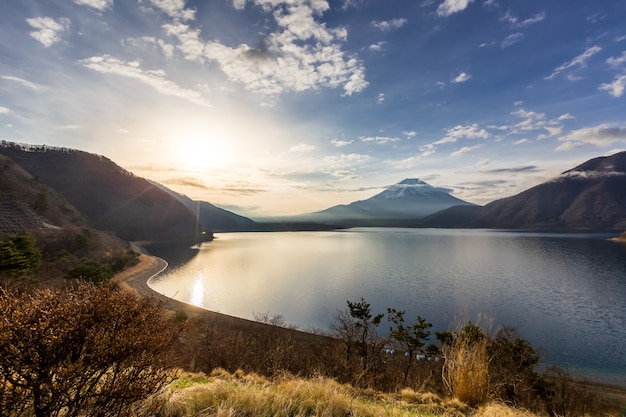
(466, 372)
(222, 394)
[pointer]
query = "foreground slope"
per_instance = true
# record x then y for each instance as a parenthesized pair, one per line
(112, 198)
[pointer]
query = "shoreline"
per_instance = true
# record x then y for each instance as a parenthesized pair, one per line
(135, 280)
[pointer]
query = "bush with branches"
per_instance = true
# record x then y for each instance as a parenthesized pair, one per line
(85, 350)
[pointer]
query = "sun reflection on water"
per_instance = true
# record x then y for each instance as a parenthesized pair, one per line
(197, 291)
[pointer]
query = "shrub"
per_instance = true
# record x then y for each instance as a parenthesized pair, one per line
(83, 351)
(90, 270)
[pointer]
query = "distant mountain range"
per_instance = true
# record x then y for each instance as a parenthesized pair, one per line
(411, 198)
(210, 216)
(591, 195)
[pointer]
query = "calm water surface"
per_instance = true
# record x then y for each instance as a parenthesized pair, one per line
(566, 293)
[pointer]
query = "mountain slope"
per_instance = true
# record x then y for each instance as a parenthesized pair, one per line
(411, 198)
(212, 217)
(112, 198)
(591, 195)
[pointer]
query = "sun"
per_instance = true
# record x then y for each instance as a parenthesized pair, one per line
(204, 150)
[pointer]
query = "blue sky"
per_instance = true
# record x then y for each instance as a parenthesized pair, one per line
(271, 107)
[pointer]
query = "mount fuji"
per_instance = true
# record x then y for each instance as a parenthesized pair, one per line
(411, 198)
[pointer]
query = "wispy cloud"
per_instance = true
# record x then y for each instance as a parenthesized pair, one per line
(4, 110)
(100, 5)
(48, 30)
(579, 61)
(473, 131)
(601, 135)
(449, 7)
(387, 25)
(302, 148)
(340, 143)
(514, 170)
(155, 78)
(514, 20)
(511, 39)
(381, 140)
(24, 83)
(464, 150)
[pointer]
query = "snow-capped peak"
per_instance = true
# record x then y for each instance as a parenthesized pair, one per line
(411, 187)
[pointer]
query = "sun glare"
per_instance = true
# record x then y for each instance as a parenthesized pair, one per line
(201, 151)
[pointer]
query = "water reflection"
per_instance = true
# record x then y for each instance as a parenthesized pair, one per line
(565, 293)
(197, 291)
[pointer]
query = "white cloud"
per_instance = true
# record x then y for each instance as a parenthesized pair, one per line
(532, 121)
(340, 143)
(48, 29)
(239, 4)
(512, 39)
(24, 83)
(617, 61)
(302, 54)
(472, 131)
(565, 116)
(4, 110)
(601, 135)
(464, 150)
(302, 148)
(381, 98)
(96, 4)
(579, 61)
(387, 25)
(377, 47)
(409, 133)
(461, 78)
(522, 141)
(378, 139)
(174, 9)
(346, 160)
(154, 78)
(449, 7)
(616, 88)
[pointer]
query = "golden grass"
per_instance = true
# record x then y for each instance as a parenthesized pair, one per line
(222, 394)
(466, 372)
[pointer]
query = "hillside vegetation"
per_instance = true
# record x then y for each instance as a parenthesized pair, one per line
(43, 238)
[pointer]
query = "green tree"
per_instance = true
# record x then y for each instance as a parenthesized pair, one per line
(412, 338)
(356, 328)
(19, 254)
(365, 324)
(80, 351)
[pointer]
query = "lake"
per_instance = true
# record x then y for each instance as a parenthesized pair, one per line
(564, 292)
